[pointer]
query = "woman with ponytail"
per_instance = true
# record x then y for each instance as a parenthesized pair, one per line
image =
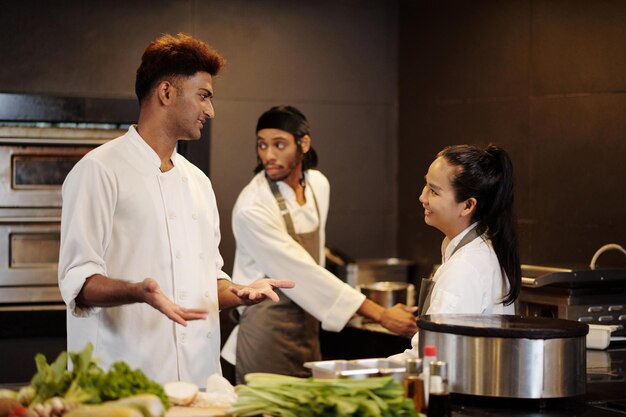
(468, 196)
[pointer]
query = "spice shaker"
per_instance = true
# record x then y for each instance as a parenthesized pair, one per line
(439, 396)
(414, 384)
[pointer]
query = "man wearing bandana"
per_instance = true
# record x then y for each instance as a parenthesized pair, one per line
(279, 225)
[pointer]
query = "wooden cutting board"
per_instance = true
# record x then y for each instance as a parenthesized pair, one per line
(196, 412)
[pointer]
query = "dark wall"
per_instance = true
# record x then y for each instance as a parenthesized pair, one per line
(544, 79)
(335, 60)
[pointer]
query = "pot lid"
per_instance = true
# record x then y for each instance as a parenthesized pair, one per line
(486, 325)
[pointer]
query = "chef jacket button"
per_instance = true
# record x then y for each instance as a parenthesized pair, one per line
(208, 335)
(172, 215)
(182, 295)
(201, 255)
(182, 338)
(178, 255)
(207, 294)
(194, 216)
(184, 179)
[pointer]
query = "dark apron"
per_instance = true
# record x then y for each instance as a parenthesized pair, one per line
(427, 284)
(280, 337)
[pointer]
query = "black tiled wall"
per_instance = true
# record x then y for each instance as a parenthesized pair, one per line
(544, 79)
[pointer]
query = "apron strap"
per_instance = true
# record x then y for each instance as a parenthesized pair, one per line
(284, 211)
(427, 284)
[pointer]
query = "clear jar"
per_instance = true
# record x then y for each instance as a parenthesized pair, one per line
(414, 384)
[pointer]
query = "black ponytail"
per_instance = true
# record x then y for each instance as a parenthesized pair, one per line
(487, 176)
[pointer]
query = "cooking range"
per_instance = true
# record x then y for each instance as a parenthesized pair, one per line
(592, 296)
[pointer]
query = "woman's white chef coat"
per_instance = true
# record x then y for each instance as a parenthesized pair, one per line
(124, 219)
(470, 282)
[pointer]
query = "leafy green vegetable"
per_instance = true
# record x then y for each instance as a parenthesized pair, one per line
(121, 381)
(86, 377)
(285, 396)
(87, 382)
(50, 380)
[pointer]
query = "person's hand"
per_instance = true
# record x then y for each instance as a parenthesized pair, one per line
(152, 295)
(400, 319)
(260, 290)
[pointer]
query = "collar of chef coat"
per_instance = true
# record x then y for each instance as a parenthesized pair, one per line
(306, 217)
(146, 150)
(454, 243)
(288, 192)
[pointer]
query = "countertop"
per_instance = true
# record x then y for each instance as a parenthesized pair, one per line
(606, 378)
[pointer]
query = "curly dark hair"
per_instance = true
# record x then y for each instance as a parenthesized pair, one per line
(172, 56)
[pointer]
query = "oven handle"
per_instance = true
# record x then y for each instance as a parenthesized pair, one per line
(34, 307)
(40, 219)
(47, 141)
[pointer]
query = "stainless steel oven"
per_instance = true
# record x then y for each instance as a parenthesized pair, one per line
(41, 138)
(34, 162)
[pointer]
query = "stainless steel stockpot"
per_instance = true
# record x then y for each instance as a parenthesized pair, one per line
(509, 356)
(389, 293)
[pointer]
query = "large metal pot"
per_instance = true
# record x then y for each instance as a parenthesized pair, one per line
(389, 293)
(509, 356)
(383, 269)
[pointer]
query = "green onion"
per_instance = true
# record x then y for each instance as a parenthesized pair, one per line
(285, 396)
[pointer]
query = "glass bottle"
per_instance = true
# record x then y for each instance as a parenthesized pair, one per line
(414, 384)
(439, 396)
(429, 355)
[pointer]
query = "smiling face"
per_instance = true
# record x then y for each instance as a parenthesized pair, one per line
(279, 154)
(193, 105)
(441, 210)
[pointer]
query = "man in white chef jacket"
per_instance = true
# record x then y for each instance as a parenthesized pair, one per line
(279, 224)
(139, 266)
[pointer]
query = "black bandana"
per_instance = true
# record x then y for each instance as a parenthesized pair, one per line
(285, 118)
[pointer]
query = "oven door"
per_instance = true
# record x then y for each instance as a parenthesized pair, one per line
(29, 255)
(35, 161)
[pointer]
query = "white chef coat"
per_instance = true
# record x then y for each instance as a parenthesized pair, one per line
(265, 249)
(123, 218)
(470, 282)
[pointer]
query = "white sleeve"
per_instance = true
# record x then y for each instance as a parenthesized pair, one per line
(89, 196)
(408, 353)
(458, 289)
(279, 256)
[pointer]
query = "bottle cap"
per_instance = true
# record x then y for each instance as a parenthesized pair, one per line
(414, 366)
(430, 350)
(439, 368)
